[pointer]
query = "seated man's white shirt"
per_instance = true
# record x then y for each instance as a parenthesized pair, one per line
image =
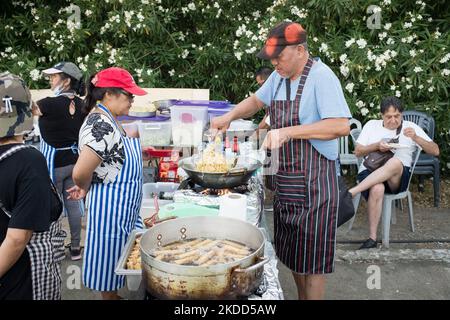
(374, 131)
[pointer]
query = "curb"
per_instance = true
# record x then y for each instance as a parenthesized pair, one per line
(382, 255)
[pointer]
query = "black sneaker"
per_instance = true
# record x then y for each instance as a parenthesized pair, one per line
(368, 244)
(75, 254)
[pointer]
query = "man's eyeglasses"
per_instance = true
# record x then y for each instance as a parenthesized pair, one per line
(129, 95)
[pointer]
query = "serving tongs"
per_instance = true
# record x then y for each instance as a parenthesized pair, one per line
(154, 218)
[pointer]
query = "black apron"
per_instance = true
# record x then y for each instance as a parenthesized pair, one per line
(306, 195)
(46, 251)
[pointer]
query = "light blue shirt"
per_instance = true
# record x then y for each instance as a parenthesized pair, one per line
(322, 98)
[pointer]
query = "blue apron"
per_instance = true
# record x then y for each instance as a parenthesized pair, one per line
(113, 213)
(49, 153)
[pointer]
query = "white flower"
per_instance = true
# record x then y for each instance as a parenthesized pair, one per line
(144, 1)
(412, 53)
(348, 43)
(382, 35)
(364, 111)
(349, 87)
(390, 41)
(185, 54)
(375, 10)
(238, 55)
(407, 25)
(82, 66)
(408, 86)
(386, 2)
(98, 65)
(191, 6)
(360, 104)
(343, 58)
(35, 74)
(420, 86)
(393, 87)
(323, 47)
(344, 70)
(443, 60)
(431, 89)
(172, 72)
(88, 13)
(418, 69)
(387, 26)
(437, 34)
(445, 72)
(361, 43)
(315, 39)
(398, 94)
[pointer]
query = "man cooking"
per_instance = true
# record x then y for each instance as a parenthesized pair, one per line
(308, 114)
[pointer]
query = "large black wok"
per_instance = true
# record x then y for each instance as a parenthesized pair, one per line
(233, 178)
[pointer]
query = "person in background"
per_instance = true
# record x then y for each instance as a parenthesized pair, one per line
(261, 76)
(305, 135)
(31, 239)
(393, 176)
(60, 120)
(109, 167)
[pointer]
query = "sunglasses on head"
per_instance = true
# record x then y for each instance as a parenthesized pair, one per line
(129, 95)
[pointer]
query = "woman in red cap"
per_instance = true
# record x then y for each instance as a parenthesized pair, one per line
(110, 167)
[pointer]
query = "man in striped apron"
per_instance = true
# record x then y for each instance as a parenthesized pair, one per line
(306, 123)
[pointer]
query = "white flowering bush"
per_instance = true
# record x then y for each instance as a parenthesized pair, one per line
(213, 44)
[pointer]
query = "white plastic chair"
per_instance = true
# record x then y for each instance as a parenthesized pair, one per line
(345, 156)
(388, 202)
(354, 134)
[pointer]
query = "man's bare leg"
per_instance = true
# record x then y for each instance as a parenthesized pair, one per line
(311, 286)
(374, 206)
(391, 172)
(300, 281)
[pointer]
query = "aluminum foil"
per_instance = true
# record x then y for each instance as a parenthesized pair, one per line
(270, 287)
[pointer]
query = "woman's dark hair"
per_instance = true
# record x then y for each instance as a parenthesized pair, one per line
(263, 72)
(392, 101)
(95, 94)
(76, 85)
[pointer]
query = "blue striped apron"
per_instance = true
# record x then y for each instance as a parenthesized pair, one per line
(113, 212)
(49, 153)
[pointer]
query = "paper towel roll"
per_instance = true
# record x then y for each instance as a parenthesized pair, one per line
(233, 205)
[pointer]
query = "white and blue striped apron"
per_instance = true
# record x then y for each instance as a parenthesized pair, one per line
(49, 153)
(113, 212)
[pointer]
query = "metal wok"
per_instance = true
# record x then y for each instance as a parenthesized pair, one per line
(233, 178)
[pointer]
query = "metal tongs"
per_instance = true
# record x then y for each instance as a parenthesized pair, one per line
(154, 219)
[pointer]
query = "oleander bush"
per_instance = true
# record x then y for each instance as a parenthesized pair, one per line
(213, 44)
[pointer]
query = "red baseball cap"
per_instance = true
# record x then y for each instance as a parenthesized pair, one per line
(282, 35)
(117, 78)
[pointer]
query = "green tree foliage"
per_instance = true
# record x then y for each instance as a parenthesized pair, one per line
(213, 44)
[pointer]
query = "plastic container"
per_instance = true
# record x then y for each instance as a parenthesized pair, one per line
(131, 128)
(188, 123)
(155, 133)
(241, 129)
(149, 189)
(211, 104)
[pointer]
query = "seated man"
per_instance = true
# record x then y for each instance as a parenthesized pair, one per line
(393, 176)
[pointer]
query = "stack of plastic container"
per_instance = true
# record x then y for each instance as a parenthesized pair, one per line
(190, 118)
